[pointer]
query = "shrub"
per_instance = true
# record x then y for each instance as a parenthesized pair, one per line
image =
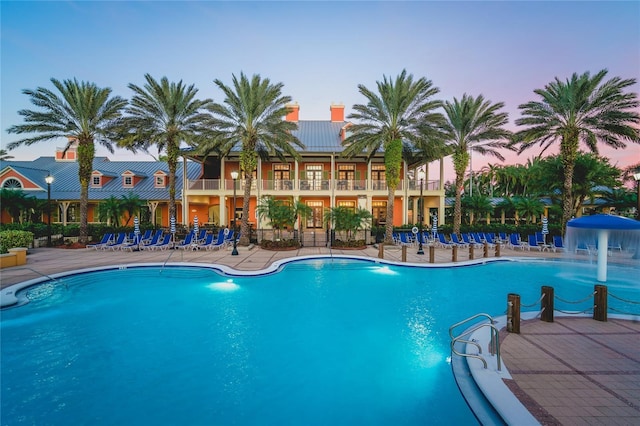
(12, 239)
(280, 244)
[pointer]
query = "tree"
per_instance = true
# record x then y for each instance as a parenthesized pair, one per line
(166, 114)
(348, 220)
(84, 114)
(528, 207)
(401, 112)
(15, 202)
(4, 155)
(583, 108)
(477, 205)
(251, 119)
(473, 125)
(131, 204)
(110, 210)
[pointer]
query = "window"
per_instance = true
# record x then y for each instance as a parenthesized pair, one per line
(314, 220)
(128, 181)
(159, 182)
(351, 205)
(95, 181)
(379, 212)
(346, 176)
(314, 177)
(378, 178)
(282, 177)
(12, 183)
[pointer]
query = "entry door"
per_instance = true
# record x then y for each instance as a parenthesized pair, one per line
(315, 218)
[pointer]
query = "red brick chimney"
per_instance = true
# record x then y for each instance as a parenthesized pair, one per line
(292, 115)
(337, 112)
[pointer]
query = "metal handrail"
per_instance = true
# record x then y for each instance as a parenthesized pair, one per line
(494, 344)
(41, 274)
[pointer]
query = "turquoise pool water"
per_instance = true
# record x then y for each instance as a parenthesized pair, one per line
(321, 342)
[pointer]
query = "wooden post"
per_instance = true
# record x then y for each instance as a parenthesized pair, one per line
(497, 249)
(600, 303)
(454, 253)
(404, 253)
(432, 254)
(471, 252)
(547, 304)
(381, 251)
(513, 313)
(485, 249)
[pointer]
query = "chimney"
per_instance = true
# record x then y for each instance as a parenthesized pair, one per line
(337, 112)
(69, 152)
(292, 115)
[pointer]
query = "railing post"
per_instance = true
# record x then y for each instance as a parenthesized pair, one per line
(546, 304)
(471, 252)
(404, 253)
(485, 249)
(381, 251)
(600, 303)
(497, 249)
(513, 313)
(432, 254)
(454, 253)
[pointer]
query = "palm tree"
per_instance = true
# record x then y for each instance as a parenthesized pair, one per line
(477, 205)
(347, 220)
(401, 112)
(131, 204)
(4, 155)
(84, 114)
(251, 119)
(110, 210)
(166, 114)
(583, 108)
(473, 124)
(528, 207)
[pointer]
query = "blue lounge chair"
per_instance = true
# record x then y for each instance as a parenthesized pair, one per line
(466, 238)
(514, 242)
(205, 243)
(442, 241)
(558, 244)
(148, 234)
(165, 244)
(120, 239)
(489, 240)
(106, 239)
(133, 244)
(456, 241)
(154, 240)
(219, 242)
(405, 239)
(201, 235)
(187, 242)
(502, 236)
(533, 243)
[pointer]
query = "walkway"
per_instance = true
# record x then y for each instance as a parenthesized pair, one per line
(575, 371)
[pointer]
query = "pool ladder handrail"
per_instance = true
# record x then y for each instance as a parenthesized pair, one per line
(494, 345)
(42, 274)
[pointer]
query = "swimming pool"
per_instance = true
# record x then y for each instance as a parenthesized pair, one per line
(322, 341)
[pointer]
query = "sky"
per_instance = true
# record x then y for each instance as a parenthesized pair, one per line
(321, 51)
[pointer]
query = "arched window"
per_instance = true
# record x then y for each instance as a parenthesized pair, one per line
(12, 183)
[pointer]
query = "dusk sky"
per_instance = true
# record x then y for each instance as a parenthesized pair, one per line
(320, 51)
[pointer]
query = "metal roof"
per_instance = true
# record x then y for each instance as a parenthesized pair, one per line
(65, 173)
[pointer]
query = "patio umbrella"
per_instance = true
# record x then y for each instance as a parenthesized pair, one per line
(172, 224)
(196, 228)
(434, 226)
(136, 229)
(545, 228)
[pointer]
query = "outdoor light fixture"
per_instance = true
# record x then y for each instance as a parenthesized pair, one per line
(234, 176)
(49, 180)
(420, 215)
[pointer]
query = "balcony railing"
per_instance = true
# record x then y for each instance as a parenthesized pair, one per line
(310, 185)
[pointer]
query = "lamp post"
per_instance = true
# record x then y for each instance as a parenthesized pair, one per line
(636, 176)
(420, 214)
(49, 180)
(234, 176)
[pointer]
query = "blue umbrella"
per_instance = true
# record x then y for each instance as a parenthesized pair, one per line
(136, 229)
(172, 223)
(434, 226)
(196, 229)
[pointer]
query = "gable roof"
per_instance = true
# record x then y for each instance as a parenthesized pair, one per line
(66, 186)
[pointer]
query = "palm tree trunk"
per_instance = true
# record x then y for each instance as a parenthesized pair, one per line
(568, 153)
(244, 223)
(457, 208)
(172, 162)
(86, 152)
(388, 227)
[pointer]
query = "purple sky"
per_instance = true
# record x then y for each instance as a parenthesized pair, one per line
(321, 51)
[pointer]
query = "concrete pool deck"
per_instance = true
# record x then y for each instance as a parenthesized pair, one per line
(573, 371)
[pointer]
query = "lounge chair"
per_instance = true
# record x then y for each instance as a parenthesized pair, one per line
(468, 240)
(133, 244)
(583, 247)
(405, 239)
(205, 243)
(230, 237)
(455, 240)
(219, 242)
(201, 235)
(533, 243)
(106, 239)
(120, 239)
(558, 244)
(514, 242)
(187, 242)
(154, 240)
(489, 240)
(148, 234)
(502, 237)
(442, 241)
(164, 244)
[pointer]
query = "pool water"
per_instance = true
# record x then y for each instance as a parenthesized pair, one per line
(321, 342)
